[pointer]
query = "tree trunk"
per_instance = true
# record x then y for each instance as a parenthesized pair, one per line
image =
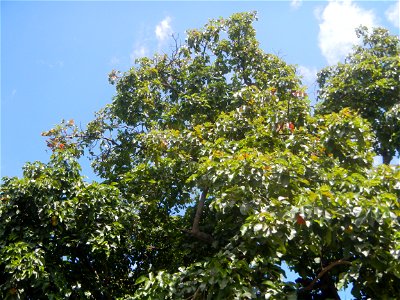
(328, 288)
(386, 158)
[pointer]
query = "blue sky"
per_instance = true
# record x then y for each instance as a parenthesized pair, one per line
(56, 56)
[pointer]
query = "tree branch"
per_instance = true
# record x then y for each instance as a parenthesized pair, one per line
(324, 270)
(195, 232)
(196, 293)
(199, 210)
(194, 296)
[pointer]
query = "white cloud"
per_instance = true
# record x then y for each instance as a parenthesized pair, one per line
(296, 3)
(139, 51)
(338, 21)
(309, 74)
(392, 14)
(144, 42)
(163, 29)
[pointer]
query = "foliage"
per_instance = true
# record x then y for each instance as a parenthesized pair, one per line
(215, 175)
(368, 82)
(62, 237)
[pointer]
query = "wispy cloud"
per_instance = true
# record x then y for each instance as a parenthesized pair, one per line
(338, 21)
(145, 42)
(140, 50)
(51, 64)
(392, 14)
(309, 74)
(13, 93)
(163, 29)
(296, 3)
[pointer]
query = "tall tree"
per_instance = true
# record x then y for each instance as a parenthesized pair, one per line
(216, 174)
(368, 82)
(219, 134)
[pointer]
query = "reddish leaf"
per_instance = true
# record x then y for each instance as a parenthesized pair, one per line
(300, 220)
(291, 126)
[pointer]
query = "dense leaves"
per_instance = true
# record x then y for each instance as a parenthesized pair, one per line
(215, 176)
(61, 237)
(368, 82)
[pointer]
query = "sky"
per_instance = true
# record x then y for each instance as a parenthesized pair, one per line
(56, 56)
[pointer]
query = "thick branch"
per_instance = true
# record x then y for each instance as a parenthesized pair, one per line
(324, 270)
(195, 232)
(387, 158)
(199, 210)
(202, 236)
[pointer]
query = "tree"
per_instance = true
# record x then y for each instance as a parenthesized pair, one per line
(62, 238)
(219, 174)
(219, 134)
(368, 82)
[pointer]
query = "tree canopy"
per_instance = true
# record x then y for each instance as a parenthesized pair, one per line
(215, 175)
(368, 82)
(61, 237)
